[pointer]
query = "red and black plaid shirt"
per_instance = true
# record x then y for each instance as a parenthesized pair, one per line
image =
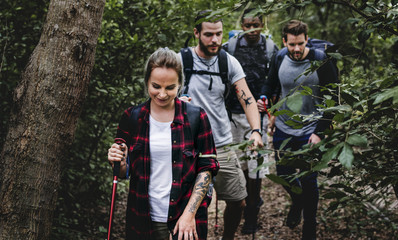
(187, 163)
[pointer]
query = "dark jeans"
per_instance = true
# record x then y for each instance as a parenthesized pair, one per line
(309, 197)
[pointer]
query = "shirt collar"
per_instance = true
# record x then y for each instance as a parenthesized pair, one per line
(244, 43)
(178, 111)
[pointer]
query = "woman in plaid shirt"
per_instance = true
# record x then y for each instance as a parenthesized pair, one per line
(169, 169)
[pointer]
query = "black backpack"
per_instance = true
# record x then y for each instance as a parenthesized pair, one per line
(312, 43)
(268, 47)
(187, 60)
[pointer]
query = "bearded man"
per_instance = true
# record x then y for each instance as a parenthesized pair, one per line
(206, 89)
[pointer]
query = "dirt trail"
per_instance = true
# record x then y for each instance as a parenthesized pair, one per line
(271, 218)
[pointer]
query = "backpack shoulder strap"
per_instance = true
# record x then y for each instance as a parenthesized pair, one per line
(269, 47)
(232, 42)
(279, 57)
(193, 114)
(133, 122)
(223, 65)
(135, 111)
(187, 61)
(319, 55)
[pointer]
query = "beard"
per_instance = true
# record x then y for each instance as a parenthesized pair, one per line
(205, 49)
(297, 55)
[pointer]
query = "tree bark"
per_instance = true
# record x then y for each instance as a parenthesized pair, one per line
(47, 104)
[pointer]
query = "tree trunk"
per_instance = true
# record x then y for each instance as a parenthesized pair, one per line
(47, 103)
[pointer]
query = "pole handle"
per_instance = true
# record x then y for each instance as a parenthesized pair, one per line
(116, 166)
(116, 169)
(263, 97)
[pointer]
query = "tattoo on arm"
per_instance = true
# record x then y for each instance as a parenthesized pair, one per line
(243, 96)
(200, 189)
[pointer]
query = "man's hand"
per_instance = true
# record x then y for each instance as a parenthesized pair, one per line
(185, 98)
(258, 141)
(314, 139)
(271, 126)
(260, 105)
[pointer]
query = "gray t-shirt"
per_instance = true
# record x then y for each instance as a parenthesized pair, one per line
(289, 73)
(212, 101)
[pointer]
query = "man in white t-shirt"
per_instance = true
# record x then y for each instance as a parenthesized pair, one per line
(207, 91)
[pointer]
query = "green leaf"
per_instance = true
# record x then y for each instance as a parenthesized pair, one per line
(389, 93)
(264, 165)
(102, 229)
(135, 38)
(337, 56)
(364, 35)
(370, 10)
(340, 108)
(357, 140)
(330, 102)
(306, 90)
(278, 105)
(339, 117)
(277, 179)
(102, 90)
(284, 143)
(346, 156)
(352, 20)
(334, 194)
(294, 102)
(332, 152)
(294, 124)
(348, 98)
(319, 166)
(296, 189)
(285, 111)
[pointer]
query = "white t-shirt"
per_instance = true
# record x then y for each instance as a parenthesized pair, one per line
(160, 178)
(212, 101)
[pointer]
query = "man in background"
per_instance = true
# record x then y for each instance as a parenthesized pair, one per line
(206, 88)
(286, 74)
(253, 51)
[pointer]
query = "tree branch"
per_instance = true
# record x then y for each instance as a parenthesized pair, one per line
(364, 15)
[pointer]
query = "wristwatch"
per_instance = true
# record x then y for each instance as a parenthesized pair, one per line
(257, 130)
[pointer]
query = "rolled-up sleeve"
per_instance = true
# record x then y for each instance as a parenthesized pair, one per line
(207, 159)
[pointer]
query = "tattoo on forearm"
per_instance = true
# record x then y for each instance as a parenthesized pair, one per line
(243, 96)
(200, 189)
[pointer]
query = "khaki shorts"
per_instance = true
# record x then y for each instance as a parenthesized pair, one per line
(242, 132)
(230, 183)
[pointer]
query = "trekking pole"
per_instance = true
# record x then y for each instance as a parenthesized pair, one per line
(258, 181)
(116, 170)
(263, 97)
(216, 224)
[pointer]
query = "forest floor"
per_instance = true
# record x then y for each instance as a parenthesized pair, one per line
(331, 226)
